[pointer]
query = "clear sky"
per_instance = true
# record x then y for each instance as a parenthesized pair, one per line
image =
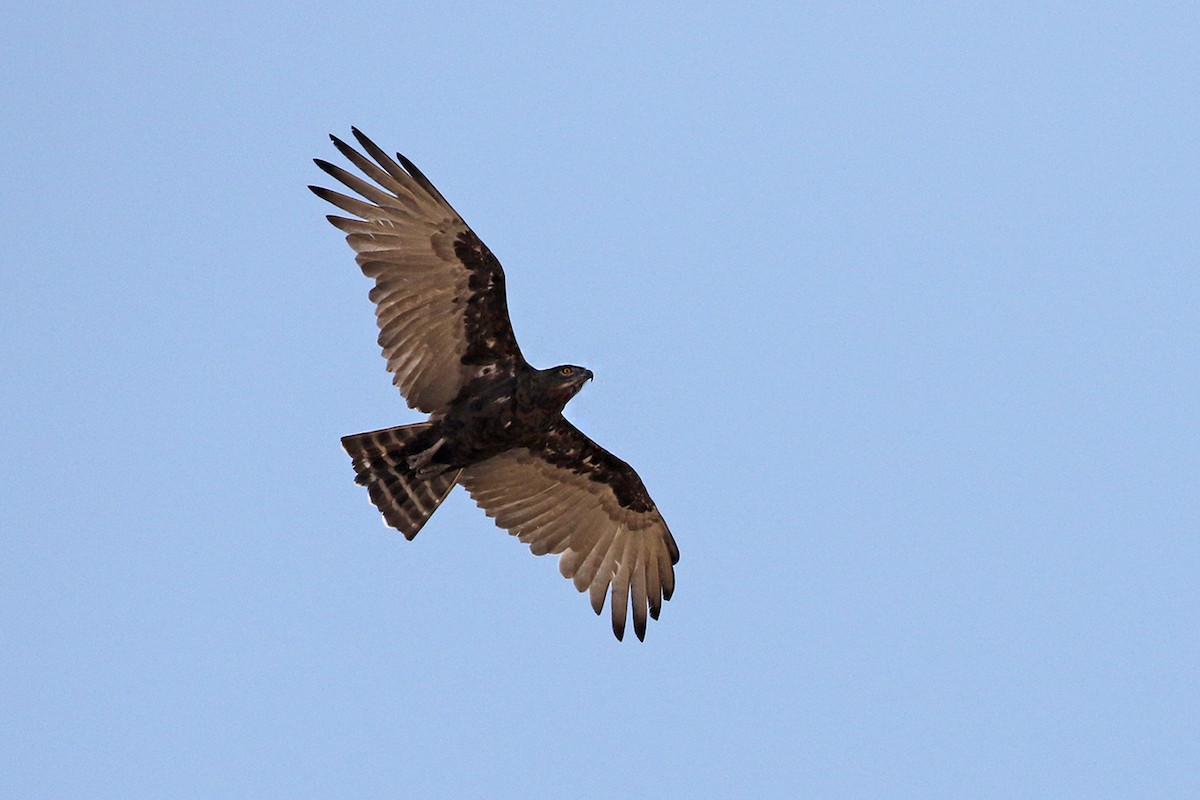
(893, 306)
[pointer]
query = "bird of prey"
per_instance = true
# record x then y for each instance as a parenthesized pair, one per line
(496, 425)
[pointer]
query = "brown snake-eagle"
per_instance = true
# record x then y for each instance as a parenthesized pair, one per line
(496, 425)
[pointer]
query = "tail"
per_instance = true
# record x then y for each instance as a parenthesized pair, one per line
(381, 464)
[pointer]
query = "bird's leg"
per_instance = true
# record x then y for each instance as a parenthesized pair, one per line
(419, 463)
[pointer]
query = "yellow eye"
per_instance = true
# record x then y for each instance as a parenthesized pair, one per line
(566, 371)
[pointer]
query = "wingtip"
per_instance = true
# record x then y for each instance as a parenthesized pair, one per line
(342, 147)
(408, 165)
(328, 195)
(639, 622)
(361, 137)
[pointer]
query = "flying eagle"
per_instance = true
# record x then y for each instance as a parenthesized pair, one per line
(496, 425)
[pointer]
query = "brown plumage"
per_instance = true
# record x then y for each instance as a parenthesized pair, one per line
(496, 425)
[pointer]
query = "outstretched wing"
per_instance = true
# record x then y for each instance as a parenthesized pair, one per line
(567, 495)
(439, 292)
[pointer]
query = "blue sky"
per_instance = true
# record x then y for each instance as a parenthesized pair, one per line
(893, 307)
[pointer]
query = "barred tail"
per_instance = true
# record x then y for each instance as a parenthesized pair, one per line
(381, 464)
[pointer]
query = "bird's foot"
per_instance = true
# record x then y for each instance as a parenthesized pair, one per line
(419, 463)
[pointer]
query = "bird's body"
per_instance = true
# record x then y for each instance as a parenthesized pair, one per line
(495, 413)
(496, 425)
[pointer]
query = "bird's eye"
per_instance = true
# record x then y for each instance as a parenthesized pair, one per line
(566, 371)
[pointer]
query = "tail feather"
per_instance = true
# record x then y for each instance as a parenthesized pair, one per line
(381, 464)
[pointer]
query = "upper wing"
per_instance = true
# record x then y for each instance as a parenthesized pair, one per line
(439, 292)
(567, 495)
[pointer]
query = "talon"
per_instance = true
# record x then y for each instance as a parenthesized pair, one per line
(425, 473)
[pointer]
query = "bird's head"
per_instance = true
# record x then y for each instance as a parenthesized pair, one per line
(565, 380)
